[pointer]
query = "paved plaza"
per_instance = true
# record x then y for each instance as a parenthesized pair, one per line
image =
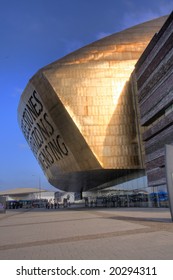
(86, 233)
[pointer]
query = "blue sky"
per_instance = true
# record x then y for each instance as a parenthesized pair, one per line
(35, 33)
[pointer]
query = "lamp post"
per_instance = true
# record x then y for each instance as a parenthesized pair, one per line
(39, 189)
(39, 185)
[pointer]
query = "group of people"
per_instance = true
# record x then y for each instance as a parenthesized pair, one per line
(52, 204)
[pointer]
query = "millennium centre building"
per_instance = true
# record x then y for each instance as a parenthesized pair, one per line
(81, 116)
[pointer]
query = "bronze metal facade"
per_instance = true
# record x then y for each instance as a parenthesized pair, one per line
(79, 114)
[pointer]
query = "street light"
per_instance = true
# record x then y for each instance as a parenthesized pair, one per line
(39, 185)
(39, 189)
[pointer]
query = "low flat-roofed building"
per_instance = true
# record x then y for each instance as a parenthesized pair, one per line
(27, 196)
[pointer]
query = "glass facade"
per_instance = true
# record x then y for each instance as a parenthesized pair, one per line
(134, 193)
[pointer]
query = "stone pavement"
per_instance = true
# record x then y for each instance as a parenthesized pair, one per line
(86, 233)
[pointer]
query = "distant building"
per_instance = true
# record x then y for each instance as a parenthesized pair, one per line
(25, 197)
